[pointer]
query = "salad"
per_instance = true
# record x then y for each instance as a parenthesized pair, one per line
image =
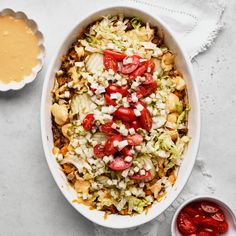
(119, 116)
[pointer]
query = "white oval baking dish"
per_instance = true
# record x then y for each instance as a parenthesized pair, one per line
(183, 63)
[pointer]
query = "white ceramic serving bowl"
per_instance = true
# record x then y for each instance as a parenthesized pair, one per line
(182, 62)
(40, 59)
(230, 216)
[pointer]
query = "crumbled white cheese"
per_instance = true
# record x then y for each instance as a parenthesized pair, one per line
(132, 131)
(79, 64)
(115, 96)
(66, 94)
(134, 97)
(122, 144)
(128, 158)
(137, 112)
(134, 85)
(139, 107)
(142, 172)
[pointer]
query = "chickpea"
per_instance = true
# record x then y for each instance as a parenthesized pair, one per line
(172, 102)
(167, 62)
(180, 83)
(173, 134)
(172, 117)
(60, 113)
(64, 130)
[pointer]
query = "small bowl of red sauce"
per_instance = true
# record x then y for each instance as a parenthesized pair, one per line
(203, 216)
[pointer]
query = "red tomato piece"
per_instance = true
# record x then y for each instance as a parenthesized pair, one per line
(88, 122)
(134, 139)
(135, 124)
(210, 232)
(148, 78)
(119, 164)
(141, 177)
(125, 114)
(190, 211)
(107, 129)
(129, 68)
(206, 222)
(223, 227)
(116, 55)
(185, 224)
(138, 72)
(127, 151)
(150, 66)
(110, 63)
(146, 90)
(202, 233)
(146, 119)
(219, 216)
(110, 149)
(99, 150)
(197, 206)
(109, 101)
(209, 207)
(114, 88)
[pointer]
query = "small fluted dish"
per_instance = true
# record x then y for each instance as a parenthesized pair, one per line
(40, 58)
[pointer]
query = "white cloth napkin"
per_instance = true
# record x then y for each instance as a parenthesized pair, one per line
(195, 22)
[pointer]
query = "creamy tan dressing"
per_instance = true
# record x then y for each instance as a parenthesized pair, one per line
(18, 49)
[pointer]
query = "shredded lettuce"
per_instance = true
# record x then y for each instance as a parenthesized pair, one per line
(136, 204)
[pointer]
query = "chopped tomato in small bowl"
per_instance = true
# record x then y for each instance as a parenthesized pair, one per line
(203, 216)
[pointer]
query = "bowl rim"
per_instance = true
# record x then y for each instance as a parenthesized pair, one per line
(40, 58)
(186, 59)
(196, 198)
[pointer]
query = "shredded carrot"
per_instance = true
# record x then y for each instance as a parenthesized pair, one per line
(148, 192)
(64, 150)
(67, 168)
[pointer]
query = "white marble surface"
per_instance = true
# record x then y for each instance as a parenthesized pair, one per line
(31, 203)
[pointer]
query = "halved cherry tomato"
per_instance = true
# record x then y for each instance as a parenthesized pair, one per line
(109, 101)
(125, 114)
(135, 124)
(127, 151)
(107, 129)
(88, 122)
(110, 149)
(114, 88)
(150, 66)
(148, 78)
(223, 227)
(209, 207)
(190, 211)
(146, 119)
(202, 233)
(116, 55)
(206, 222)
(134, 139)
(146, 90)
(119, 164)
(197, 206)
(219, 216)
(99, 150)
(208, 231)
(185, 224)
(129, 68)
(138, 72)
(110, 63)
(141, 177)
